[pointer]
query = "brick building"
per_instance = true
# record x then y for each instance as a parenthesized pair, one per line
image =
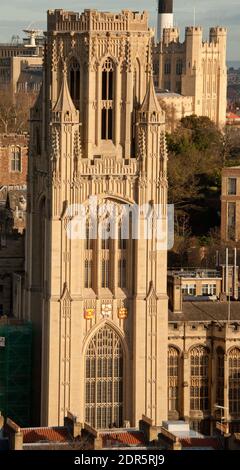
(13, 159)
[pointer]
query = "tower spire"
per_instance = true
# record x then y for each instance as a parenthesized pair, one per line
(64, 102)
(150, 102)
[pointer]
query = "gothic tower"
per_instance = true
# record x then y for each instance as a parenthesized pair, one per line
(96, 292)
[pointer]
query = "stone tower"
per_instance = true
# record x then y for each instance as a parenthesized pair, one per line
(195, 68)
(98, 304)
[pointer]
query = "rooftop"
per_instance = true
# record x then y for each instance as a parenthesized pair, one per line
(123, 438)
(206, 311)
(36, 435)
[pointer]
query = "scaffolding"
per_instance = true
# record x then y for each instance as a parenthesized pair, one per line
(15, 370)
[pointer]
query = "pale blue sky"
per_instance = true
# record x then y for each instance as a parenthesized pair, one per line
(17, 14)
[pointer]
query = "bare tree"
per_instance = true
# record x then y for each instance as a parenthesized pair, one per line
(14, 111)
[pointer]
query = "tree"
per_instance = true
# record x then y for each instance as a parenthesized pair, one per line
(196, 157)
(14, 111)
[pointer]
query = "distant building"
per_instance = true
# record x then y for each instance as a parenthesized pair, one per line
(230, 204)
(233, 120)
(195, 69)
(201, 284)
(15, 59)
(13, 201)
(176, 107)
(203, 360)
(13, 160)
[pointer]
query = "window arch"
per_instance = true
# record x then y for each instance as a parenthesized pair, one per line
(199, 379)
(88, 255)
(220, 376)
(173, 379)
(234, 381)
(107, 99)
(104, 380)
(74, 81)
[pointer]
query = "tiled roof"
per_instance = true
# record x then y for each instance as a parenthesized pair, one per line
(198, 442)
(128, 438)
(206, 311)
(35, 435)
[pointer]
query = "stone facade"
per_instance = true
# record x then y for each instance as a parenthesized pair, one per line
(102, 135)
(195, 68)
(214, 345)
(230, 204)
(103, 345)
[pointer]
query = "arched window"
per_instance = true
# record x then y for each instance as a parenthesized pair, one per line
(107, 99)
(88, 273)
(173, 379)
(199, 382)
(74, 81)
(88, 254)
(122, 258)
(220, 377)
(104, 380)
(105, 273)
(234, 382)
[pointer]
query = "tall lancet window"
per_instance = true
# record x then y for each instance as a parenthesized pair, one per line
(234, 382)
(74, 81)
(104, 380)
(105, 230)
(88, 255)
(122, 258)
(107, 99)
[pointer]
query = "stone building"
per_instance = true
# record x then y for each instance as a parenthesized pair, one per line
(194, 68)
(230, 204)
(104, 345)
(15, 59)
(99, 306)
(203, 364)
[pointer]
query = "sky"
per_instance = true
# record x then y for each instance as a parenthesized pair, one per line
(18, 14)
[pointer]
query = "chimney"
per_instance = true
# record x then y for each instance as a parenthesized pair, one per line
(165, 17)
(175, 293)
(14, 434)
(72, 424)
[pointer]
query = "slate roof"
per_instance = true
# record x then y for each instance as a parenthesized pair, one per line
(206, 311)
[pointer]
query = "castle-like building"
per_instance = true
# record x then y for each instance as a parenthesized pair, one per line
(106, 347)
(193, 68)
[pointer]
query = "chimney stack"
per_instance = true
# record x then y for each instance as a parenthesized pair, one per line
(165, 17)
